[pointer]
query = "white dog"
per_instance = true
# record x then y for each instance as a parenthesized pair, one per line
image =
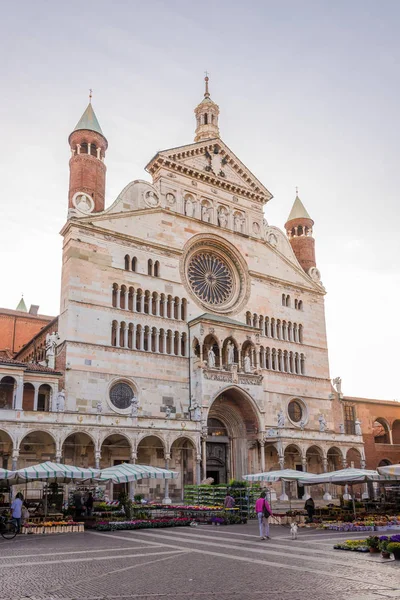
(293, 531)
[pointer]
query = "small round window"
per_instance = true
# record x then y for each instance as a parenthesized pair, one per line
(295, 411)
(121, 395)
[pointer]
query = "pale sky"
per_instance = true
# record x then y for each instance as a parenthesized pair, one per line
(309, 97)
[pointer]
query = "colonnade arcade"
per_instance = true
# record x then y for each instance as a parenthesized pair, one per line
(82, 449)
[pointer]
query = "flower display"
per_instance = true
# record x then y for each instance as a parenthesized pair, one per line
(142, 524)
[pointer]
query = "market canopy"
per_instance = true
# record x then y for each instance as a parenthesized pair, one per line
(392, 471)
(281, 475)
(126, 472)
(344, 476)
(53, 472)
(6, 474)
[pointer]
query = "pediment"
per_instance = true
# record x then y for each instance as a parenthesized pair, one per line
(214, 162)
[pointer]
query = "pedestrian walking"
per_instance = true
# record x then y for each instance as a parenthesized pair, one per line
(16, 511)
(78, 503)
(89, 504)
(263, 511)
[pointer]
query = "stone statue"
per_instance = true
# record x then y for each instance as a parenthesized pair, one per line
(211, 359)
(51, 344)
(84, 203)
(170, 198)
(341, 428)
(281, 419)
(196, 411)
(168, 411)
(205, 213)
(247, 363)
(322, 423)
(189, 207)
(302, 424)
(358, 427)
(99, 408)
(230, 353)
(151, 199)
(134, 407)
(60, 401)
(222, 218)
(337, 382)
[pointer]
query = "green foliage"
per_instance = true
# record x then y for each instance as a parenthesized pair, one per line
(372, 541)
(126, 503)
(138, 498)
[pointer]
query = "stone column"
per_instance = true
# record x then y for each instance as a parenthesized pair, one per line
(126, 336)
(58, 456)
(35, 397)
(262, 455)
(158, 300)
(142, 302)
(327, 495)
(283, 497)
(134, 300)
(157, 346)
(167, 499)
(204, 455)
(19, 392)
(198, 469)
(239, 359)
(118, 298)
(131, 485)
(390, 436)
(97, 458)
(346, 495)
(306, 494)
(179, 310)
(267, 329)
(142, 338)
(14, 462)
(163, 335)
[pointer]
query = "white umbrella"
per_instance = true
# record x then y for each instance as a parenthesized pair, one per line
(344, 476)
(281, 475)
(390, 472)
(126, 472)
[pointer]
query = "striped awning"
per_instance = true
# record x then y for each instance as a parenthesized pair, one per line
(55, 472)
(6, 474)
(126, 472)
(281, 475)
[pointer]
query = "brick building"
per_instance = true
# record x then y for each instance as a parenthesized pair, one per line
(18, 327)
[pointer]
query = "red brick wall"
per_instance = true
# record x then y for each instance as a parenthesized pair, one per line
(303, 246)
(17, 329)
(87, 173)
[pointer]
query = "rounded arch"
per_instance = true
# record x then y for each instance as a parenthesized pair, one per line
(315, 459)
(396, 431)
(335, 458)
(380, 430)
(236, 390)
(31, 431)
(118, 434)
(8, 386)
(353, 458)
(6, 448)
(78, 448)
(75, 432)
(158, 436)
(36, 446)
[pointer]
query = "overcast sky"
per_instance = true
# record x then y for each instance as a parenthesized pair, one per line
(309, 97)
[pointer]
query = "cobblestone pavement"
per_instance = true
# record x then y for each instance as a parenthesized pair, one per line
(203, 563)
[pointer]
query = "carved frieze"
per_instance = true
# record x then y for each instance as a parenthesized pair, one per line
(218, 376)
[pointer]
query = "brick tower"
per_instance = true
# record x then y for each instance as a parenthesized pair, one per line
(87, 170)
(299, 231)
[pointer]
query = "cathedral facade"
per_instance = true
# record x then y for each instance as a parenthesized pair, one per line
(191, 332)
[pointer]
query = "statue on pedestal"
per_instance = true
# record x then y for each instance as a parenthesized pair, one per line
(247, 363)
(322, 423)
(51, 344)
(341, 428)
(281, 419)
(358, 427)
(337, 382)
(196, 411)
(211, 359)
(230, 354)
(134, 407)
(60, 401)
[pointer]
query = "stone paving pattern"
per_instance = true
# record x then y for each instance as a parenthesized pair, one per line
(203, 563)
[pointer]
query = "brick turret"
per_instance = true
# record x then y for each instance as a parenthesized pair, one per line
(299, 231)
(87, 169)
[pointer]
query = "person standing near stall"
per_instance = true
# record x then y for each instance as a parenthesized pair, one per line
(263, 511)
(16, 511)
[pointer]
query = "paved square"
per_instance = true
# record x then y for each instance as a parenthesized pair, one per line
(203, 563)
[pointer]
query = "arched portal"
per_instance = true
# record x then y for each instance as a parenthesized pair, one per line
(233, 424)
(183, 459)
(8, 386)
(115, 450)
(36, 447)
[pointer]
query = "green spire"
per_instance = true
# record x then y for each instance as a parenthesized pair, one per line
(22, 306)
(298, 211)
(89, 121)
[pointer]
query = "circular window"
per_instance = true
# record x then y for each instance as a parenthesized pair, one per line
(121, 395)
(210, 278)
(215, 274)
(295, 411)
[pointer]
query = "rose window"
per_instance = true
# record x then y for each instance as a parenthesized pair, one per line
(210, 278)
(121, 395)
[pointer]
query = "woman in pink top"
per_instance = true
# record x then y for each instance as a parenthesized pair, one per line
(262, 520)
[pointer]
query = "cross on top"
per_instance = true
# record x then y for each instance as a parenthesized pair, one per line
(90, 94)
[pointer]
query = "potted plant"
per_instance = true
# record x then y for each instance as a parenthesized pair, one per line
(395, 548)
(383, 544)
(373, 543)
